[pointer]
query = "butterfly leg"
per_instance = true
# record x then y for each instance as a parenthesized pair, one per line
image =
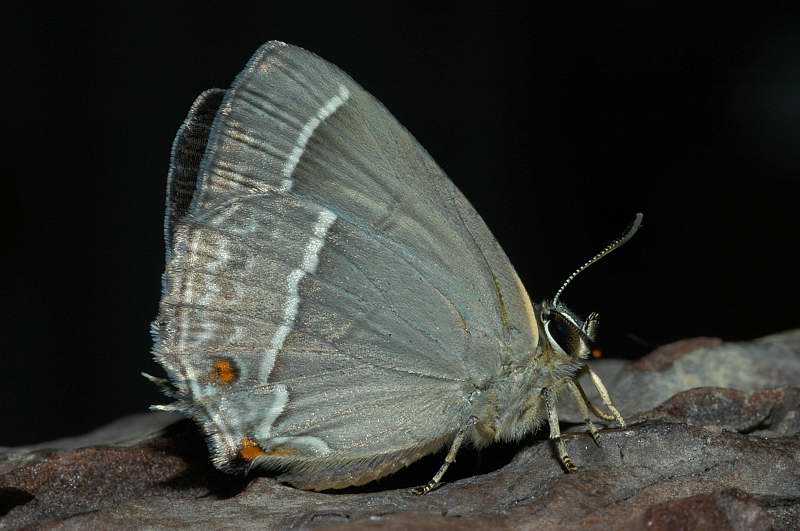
(605, 397)
(591, 324)
(580, 398)
(596, 411)
(555, 431)
(450, 458)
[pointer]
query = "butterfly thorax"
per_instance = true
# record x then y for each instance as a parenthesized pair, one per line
(513, 405)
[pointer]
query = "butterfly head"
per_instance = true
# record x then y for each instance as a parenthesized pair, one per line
(566, 333)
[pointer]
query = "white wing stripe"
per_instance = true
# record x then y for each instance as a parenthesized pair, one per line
(308, 129)
(308, 264)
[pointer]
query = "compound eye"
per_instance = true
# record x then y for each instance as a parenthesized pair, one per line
(560, 333)
(568, 336)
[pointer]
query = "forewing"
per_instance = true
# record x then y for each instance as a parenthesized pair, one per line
(293, 121)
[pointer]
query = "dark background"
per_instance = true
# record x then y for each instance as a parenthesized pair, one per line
(558, 126)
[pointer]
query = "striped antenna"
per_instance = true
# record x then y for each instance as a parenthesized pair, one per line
(616, 244)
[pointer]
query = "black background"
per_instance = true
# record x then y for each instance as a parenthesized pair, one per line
(558, 126)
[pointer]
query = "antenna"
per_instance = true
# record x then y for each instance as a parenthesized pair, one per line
(616, 244)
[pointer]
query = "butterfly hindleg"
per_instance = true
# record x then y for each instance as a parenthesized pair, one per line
(605, 397)
(451, 457)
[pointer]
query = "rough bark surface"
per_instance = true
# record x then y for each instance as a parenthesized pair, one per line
(712, 442)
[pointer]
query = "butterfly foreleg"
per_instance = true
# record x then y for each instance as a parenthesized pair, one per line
(450, 458)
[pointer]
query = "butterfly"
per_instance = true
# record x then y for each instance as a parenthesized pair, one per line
(333, 307)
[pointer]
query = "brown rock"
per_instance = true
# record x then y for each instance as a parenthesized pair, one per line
(663, 357)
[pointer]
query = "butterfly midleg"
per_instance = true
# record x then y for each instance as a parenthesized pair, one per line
(583, 405)
(451, 457)
(555, 431)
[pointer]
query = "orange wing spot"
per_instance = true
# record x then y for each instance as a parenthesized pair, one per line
(597, 353)
(250, 449)
(223, 372)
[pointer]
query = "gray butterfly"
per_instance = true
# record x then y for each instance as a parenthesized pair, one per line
(333, 307)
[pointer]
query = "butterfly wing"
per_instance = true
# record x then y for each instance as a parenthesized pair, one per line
(331, 299)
